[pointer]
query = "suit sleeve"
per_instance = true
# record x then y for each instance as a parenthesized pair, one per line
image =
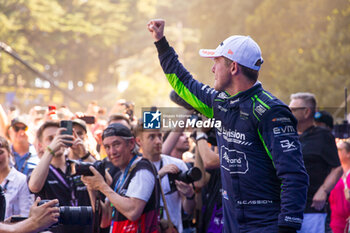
(198, 95)
(277, 131)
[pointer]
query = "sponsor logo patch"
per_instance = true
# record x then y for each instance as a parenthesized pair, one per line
(233, 161)
(234, 101)
(287, 145)
(222, 95)
(260, 109)
(281, 119)
(233, 136)
(283, 130)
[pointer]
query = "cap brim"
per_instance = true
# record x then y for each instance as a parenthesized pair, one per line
(19, 122)
(209, 53)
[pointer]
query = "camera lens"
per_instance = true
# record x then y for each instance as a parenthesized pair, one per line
(193, 174)
(76, 215)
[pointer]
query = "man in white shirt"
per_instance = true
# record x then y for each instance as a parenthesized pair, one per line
(150, 142)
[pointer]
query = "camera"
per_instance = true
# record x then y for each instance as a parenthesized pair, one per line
(69, 215)
(74, 215)
(191, 175)
(82, 168)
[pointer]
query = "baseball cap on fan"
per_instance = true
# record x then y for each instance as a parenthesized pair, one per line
(241, 49)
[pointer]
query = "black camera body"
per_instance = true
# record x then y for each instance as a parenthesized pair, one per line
(191, 175)
(82, 168)
(73, 215)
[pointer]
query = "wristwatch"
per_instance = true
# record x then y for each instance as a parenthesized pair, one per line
(201, 135)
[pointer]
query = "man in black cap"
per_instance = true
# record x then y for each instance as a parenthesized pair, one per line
(133, 200)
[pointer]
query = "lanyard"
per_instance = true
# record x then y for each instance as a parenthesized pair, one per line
(121, 181)
(73, 201)
(5, 186)
(24, 164)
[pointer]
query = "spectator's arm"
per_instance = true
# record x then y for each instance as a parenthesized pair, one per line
(171, 140)
(187, 192)
(320, 197)
(40, 218)
(40, 172)
(198, 162)
(210, 159)
(130, 207)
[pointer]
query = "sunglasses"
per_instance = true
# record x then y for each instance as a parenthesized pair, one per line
(18, 128)
(297, 108)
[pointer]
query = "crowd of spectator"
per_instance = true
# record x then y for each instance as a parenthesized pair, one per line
(35, 160)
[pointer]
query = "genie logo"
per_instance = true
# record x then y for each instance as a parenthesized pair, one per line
(233, 161)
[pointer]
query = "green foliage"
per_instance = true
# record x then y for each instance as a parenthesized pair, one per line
(305, 47)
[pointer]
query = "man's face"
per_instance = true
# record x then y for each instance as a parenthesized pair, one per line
(118, 150)
(151, 142)
(182, 143)
(343, 154)
(48, 135)
(79, 131)
(223, 77)
(18, 133)
(299, 109)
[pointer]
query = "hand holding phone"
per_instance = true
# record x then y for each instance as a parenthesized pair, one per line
(68, 125)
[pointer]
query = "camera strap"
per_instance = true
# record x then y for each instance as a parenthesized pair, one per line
(73, 201)
(120, 182)
(5, 186)
(171, 225)
(24, 164)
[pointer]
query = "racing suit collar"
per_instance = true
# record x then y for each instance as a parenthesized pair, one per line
(241, 96)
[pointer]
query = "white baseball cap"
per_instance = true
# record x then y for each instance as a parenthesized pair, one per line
(241, 49)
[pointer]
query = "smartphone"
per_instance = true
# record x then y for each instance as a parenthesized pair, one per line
(69, 129)
(88, 119)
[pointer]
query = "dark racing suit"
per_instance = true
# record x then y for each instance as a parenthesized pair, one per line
(263, 176)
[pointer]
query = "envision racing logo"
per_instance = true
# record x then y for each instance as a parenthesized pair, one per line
(233, 136)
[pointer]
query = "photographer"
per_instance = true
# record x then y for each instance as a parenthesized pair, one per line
(40, 218)
(151, 142)
(135, 198)
(51, 178)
